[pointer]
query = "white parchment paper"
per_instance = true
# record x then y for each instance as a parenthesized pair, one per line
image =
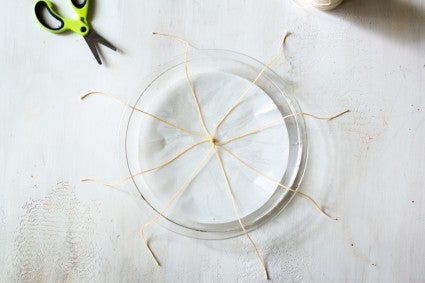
(207, 199)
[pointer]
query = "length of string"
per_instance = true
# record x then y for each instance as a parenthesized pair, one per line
(241, 97)
(148, 170)
(278, 122)
(142, 111)
(278, 183)
(236, 210)
(179, 192)
(192, 90)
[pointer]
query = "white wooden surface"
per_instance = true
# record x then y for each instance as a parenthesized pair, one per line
(367, 167)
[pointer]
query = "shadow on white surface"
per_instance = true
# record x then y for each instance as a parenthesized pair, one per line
(403, 21)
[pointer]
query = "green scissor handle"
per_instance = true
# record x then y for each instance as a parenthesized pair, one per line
(82, 9)
(79, 25)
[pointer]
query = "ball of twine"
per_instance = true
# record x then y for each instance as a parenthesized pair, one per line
(320, 4)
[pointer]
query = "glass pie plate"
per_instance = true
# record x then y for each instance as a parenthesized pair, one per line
(168, 151)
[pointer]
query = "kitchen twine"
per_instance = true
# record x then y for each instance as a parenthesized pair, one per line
(320, 4)
(215, 145)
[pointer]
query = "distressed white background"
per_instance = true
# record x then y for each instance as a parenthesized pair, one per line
(366, 167)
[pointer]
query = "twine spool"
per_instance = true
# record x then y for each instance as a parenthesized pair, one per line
(324, 5)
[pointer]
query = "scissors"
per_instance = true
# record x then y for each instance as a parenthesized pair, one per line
(79, 26)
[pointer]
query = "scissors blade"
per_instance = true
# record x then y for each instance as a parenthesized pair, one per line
(101, 40)
(91, 43)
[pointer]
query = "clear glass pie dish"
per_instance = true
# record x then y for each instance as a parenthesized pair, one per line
(165, 144)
